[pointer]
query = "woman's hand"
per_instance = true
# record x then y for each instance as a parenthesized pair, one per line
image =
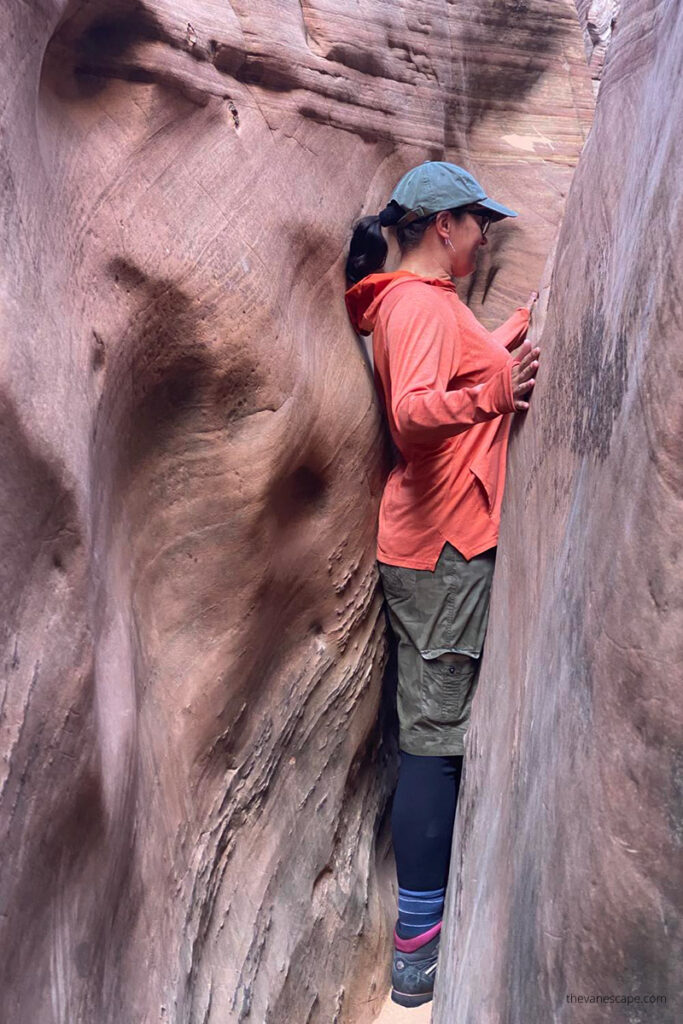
(523, 372)
(531, 301)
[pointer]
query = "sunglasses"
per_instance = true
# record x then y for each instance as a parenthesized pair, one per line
(484, 220)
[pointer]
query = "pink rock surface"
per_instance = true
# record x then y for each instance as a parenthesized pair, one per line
(598, 19)
(192, 774)
(568, 842)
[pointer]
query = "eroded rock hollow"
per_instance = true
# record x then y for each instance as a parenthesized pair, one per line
(568, 841)
(193, 775)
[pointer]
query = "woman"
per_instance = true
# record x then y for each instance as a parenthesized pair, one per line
(449, 389)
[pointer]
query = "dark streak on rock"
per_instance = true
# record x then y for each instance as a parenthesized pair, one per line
(534, 31)
(583, 397)
(98, 352)
(490, 278)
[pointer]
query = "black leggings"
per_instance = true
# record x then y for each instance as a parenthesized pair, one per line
(422, 819)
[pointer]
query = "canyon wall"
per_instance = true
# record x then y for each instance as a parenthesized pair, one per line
(598, 19)
(567, 853)
(193, 775)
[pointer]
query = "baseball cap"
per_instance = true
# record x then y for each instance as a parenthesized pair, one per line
(436, 185)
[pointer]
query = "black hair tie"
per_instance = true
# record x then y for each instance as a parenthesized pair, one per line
(391, 214)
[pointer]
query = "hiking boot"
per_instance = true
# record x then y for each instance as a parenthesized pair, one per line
(412, 973)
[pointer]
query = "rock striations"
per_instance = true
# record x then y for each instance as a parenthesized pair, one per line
(193, 778)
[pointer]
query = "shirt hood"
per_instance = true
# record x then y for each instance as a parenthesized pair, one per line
(364, 298)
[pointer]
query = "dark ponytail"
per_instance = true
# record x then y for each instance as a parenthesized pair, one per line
(368, 249)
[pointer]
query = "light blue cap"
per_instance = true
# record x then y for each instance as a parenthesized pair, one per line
(436, 185)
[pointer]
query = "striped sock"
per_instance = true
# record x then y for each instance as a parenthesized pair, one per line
(418, 911)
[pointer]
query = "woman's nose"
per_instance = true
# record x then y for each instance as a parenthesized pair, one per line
(484, 240)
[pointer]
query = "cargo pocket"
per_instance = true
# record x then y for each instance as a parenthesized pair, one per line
(398, 583)
(446, 688)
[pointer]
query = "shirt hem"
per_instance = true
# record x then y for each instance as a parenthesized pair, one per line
(414, 563)
(406, 563)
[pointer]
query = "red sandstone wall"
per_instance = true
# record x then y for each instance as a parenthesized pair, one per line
(192, 776)
(568, 844)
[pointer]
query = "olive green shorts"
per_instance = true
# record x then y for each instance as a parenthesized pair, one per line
(435, 613)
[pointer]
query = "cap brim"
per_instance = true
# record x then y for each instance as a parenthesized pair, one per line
(497, 210)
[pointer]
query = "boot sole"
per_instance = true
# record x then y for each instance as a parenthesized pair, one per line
(403, 999)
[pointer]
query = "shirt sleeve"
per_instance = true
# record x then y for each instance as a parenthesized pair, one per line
(423, 346)
(513, 331)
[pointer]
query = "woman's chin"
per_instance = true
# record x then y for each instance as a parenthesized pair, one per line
(466, 269)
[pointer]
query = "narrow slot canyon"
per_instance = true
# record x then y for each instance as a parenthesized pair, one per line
(198, 720)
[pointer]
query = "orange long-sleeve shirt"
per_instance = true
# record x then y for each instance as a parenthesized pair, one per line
(445, 383)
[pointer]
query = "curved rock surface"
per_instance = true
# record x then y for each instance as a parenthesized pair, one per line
(568, 842)
(598, 19)
(192, 775)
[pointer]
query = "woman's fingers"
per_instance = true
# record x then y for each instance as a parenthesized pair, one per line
(531, 300)
(523, 351)
(524, 372)
(526, 368)
(523, 377)
(530, 357)
(524, 386)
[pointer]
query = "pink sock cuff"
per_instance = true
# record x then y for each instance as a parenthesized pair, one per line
(410, 945)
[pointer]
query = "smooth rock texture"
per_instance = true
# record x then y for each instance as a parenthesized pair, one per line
(193, 777)
(568, 842)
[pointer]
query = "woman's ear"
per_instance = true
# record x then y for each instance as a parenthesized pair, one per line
(443, 224)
